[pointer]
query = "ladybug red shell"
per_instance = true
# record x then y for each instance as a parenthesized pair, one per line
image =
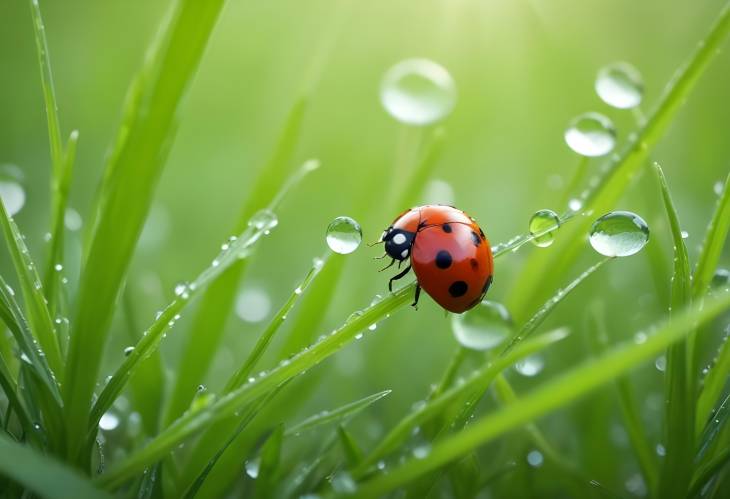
(448, 251)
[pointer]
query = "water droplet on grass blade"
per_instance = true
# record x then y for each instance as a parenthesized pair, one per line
(72, 220)
(252, 467)
(109, 421)
(344, 235)
(661, 363)
(128, 351)
(620, 85)
(717, 188)
(422, 451)
(418, 92)
(483, 327)
(591, 134)
(544, 222)
(13, 196)
(264, 220)
(619, 233)
(530, 366)
(534, 458)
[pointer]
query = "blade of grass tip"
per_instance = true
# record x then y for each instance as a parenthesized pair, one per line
(552, 395)
(232, 251)
(548, 266)
(206, 331)
(242, 374)
(436, 406)
(341, 413)
(629, 412)
(353, 452)
(54, 266)
(39, 318)
(130, 181)
(676, 471)
(43, 475)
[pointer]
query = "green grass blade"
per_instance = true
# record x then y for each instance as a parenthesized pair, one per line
(240, 376)
(552, 395)
(547, 267)
(353, 453)
(49, 91)
(708, 471)
(39, 318)
(714, 428)
(10, 388)
(713, 243)
(207, 328)
(232, 252)
(714, 384)
(270, 458)
(676, 472)
(43, 475)
(477, 382)
(338, 414)
(130, 180)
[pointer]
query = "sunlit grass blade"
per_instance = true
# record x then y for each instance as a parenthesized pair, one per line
(713, 243)
(268, 189)
(264, 340)
(551, 395)
(547, 267)
(43, 475)
(676, 472)
(232, 252)
(36, 310)
(338, 414)
(478, 381)
(126, 194)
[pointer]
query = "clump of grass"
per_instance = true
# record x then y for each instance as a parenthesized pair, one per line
(50, 426)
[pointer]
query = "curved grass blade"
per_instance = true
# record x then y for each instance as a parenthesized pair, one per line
(478, 381)
(39, 318)
(714, 384)
(10, 388)
(270, 458)
(341, 413)
(713, 243)
(707, 472)
(125, 196)
(43, 475)
(240, 377)
(232, 251)
(353, 453)
(709, 438)
(207, 328)
(676, 472)
(552, 395)
(547, 267)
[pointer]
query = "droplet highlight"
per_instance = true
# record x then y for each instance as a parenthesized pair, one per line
(344, 235)
(543, 225)
(620, 85)
(591, 134)
(619, 233)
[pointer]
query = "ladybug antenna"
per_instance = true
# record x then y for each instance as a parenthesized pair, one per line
(370, 245)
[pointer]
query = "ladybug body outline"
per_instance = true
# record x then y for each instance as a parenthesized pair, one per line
(448, 252)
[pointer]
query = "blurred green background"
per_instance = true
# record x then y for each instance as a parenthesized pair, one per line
(523, 69)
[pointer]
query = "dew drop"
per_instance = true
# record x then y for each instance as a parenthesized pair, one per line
(661, 450)
(620, 85)
(543, 225)
(483, 327)
(72, 220)
(534, 458)
(264, 220)
(661, 363)
(530, 366)
(58, 267)
(344, 235)
(252, 467)
(253, 305)
(685, 234)
(717, 188)
(721, 278)
(619, 233)
(109, 421)
(128, 351)
(591, 134)
(418, 92)
(422, 451)
(11, 189)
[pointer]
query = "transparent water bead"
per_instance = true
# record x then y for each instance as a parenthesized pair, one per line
(13, 196)
(591, 134)
(128, 351)
(620, 85)
(252, 467)
(619, 233)
(544, 222)
(72, 220)
(418, 92)
(109, 421)
(264, 220)
(253, 305)
(483, 327)
(344, 235)
(530, 366)
(534, 458)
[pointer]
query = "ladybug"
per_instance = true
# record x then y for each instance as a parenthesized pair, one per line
(448, 252)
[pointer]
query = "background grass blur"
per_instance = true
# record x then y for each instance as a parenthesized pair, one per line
(523, 69)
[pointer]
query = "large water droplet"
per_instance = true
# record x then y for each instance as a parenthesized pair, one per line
(264, 220)
(252, 467)
(591, 134)
(530, 366)
(13, 196)
(344, 235)
(620, 85)
(483, 327)
(253, 305)
(544, 222)
(72, 220)
(109, 421)
(619, 233)
(534, 458)
(418, 92)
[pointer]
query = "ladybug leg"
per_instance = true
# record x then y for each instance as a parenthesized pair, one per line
(396, 277)
(415, 300)
(380, 257)
(392, 261)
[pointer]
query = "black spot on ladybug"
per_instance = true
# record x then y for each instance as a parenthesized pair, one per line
(443, 259)
(475, 238)
(446, 228)
(458, 288)
(487, 284)
(474, 264)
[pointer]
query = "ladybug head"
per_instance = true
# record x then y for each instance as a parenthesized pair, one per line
(398, 243)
